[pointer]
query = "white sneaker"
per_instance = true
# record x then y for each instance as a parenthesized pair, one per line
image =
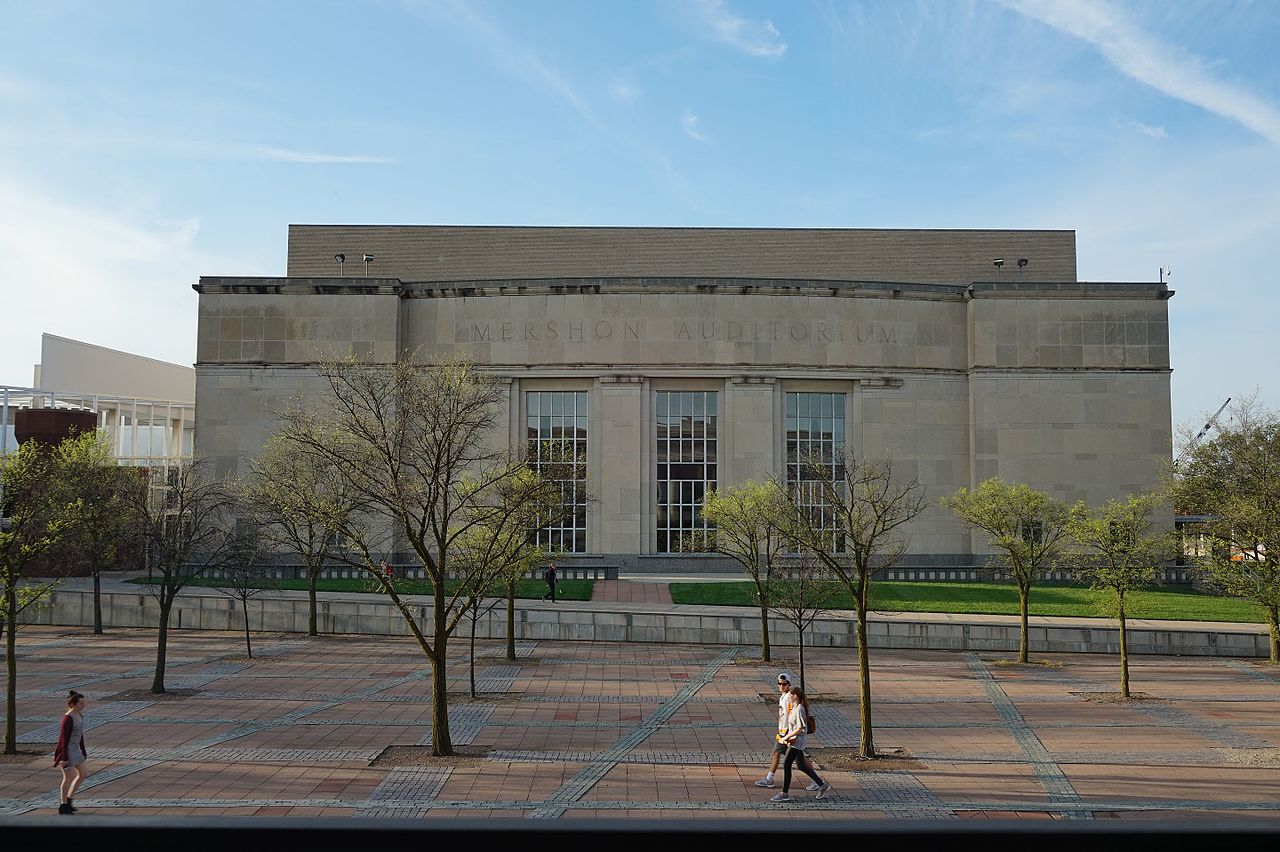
(823, 791)
(764, 782)
(780, 797)
(813, 785)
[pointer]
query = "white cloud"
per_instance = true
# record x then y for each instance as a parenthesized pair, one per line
(753, 37)
(95, 275)
(290, 155)
(1154, 131)
(1146, 59)
(689, 121)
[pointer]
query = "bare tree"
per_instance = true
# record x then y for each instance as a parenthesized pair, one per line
(1122, 551)
(301, 503)
(852, 512)
(181, 516)
(749, 526)
(1233, 482)
(1027, 529)
(412, 440)
(244, 572)
(802, 592)
(36, 514)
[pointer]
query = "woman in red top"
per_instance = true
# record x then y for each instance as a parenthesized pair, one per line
(70, 755)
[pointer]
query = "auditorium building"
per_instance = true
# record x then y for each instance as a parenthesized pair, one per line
(687, 359)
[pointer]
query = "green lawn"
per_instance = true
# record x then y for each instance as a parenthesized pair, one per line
(999, 599)
(567, 590)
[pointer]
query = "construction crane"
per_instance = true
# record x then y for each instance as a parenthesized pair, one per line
(1195, 442)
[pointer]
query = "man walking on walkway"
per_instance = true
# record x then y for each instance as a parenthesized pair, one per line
(550, 577)
(784, 714)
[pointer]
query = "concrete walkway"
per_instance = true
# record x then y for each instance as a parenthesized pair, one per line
(631, 591)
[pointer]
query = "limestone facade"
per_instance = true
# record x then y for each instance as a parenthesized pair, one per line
(1032, 376)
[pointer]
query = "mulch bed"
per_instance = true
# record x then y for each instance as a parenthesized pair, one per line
(29, 755)
(148, 695)
(851, 759)
(1029, 664)
(421, 756)
(1117, 698)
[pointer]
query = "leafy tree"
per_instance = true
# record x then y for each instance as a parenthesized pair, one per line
(102, 536)
(36, 514)
(412, 440)
(181, 515)
(802, 592)
(853, 526)
(749, 523)
(301, 504)
(1122, 551)
(1234, 481)
(1026, 528)
(495, 553)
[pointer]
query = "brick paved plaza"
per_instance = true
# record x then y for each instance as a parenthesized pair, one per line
(597, 729)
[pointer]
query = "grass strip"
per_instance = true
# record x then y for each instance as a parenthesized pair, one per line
(1172, 603)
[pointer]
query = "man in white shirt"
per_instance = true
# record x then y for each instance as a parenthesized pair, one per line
(784, 714)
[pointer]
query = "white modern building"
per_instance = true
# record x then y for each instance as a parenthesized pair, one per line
(146, 407)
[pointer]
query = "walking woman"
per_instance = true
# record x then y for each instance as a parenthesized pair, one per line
(70, 755)
(794, 740)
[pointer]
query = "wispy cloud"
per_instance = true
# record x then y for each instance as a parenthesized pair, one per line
(689, 121)
(290, 155)
(1154, 131)
(1150, 61)
(624, 90)
(754, 37)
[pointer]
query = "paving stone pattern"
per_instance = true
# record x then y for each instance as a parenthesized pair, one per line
(1046, 769)
(901, 789)
(612, 730)
(101, 714)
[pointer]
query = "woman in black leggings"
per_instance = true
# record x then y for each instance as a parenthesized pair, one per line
(797, 729)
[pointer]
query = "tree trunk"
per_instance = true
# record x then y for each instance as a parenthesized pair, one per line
(764, 634)
(248, 645)
(97, 600)
(1274, 619)
(312, 576)
(802, 686)
(1023, 640)
(1124, 654)
(866, 742)
(11, 668)
(475, 616)
(162, 639)
(441, 742)
(511, 620)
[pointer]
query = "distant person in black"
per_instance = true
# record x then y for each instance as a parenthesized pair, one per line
(550, 577)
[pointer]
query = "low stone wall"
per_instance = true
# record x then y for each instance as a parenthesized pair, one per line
(200, 610)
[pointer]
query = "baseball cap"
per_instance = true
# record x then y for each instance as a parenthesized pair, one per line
(784, 676)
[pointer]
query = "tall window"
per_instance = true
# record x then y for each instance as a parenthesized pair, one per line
(815, 453)
(557, 434)
(686, 430)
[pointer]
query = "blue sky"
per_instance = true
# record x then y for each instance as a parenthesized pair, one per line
(143, 144)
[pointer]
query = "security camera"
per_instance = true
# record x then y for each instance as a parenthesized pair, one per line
(998, 262)
(1022, 262)
(368, 258)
